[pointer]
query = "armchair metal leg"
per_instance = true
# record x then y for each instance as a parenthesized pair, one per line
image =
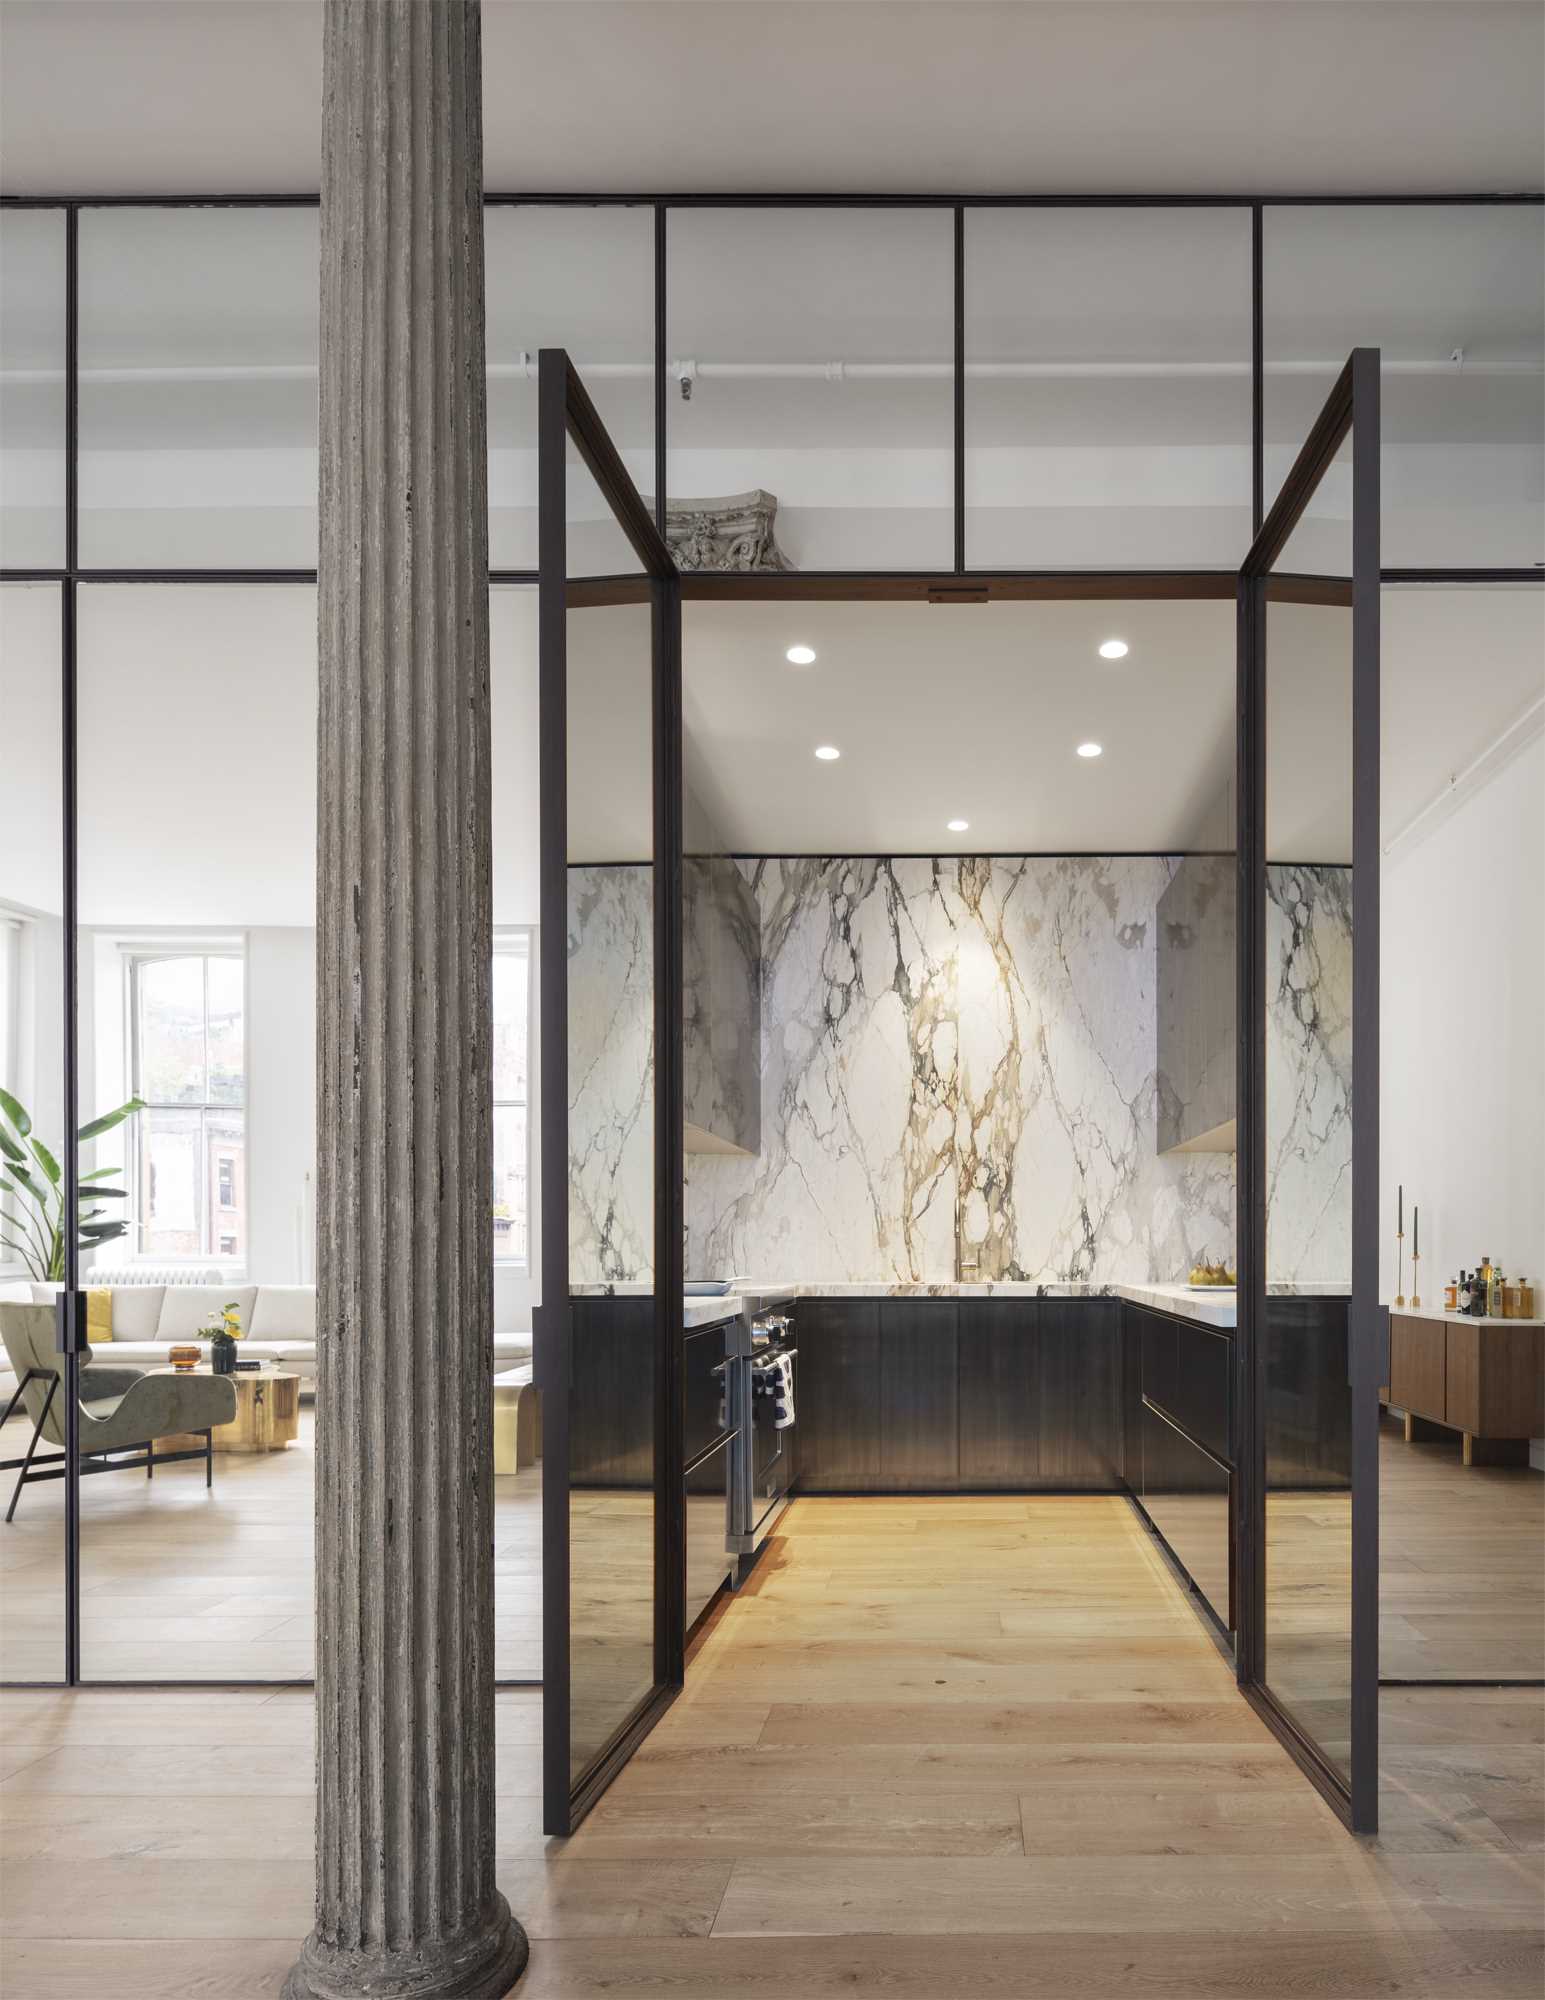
(150, 1458)
(32, 1445)
(209, 1460)
(16, 1397)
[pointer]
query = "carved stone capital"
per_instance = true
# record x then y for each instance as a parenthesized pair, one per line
(736, 532)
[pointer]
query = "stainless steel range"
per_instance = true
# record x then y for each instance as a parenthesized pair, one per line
(764, 1456)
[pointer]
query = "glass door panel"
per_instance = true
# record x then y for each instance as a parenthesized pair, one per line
(611, 1245)
(33, 1378)
(1309, 1148)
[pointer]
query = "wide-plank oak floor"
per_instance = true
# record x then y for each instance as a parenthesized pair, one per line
(936, 1748)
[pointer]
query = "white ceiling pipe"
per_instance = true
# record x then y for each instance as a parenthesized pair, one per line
(524, 367)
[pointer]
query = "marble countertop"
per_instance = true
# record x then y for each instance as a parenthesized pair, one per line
(1214, 1309)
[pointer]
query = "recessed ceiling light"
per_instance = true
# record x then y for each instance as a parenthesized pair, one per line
(800, 656)
(1084, 749)
(827, 752)
(958, 825)
(1113, 649)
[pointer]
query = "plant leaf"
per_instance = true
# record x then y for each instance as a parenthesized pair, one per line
(9, 1147)
(110, 1118)
(102, 1232)
(103, 1194)
(46, 1160)
(14, 1112)
(98, 1174)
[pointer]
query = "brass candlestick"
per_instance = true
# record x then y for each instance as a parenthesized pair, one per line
(1416, 1297)
(1400, 1267)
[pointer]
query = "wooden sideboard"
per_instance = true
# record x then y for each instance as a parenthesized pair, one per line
(1484, 1378)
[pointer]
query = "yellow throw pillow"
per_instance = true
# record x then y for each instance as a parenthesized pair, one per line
(99, 1315)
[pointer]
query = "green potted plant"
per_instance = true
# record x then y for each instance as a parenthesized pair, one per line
(222, 1335)
(34, 1230)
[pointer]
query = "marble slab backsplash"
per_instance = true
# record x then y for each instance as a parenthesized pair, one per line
(611, 1073)
(1308, 1074)
(958, 1081)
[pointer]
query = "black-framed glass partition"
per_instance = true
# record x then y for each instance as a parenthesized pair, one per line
(811, 358)
(195, 1040)
(157, 422)
(1309, 1157)
(197, 388)
(34, 343)
(32, 1135)
(609, 1327)
(1107, 388)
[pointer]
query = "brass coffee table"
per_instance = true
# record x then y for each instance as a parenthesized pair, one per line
(267, 1410)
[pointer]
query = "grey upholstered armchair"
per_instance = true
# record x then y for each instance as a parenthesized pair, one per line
(122, 1410)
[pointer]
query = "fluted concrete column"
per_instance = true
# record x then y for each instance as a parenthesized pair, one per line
(406, 1903)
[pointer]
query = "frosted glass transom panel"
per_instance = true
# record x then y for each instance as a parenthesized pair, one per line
(1454, 299)
(1107, 388)
(811, 357)
(198, 388)
(32, 398)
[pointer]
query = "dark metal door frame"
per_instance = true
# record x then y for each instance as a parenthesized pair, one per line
(567, 416)
(1351, 409)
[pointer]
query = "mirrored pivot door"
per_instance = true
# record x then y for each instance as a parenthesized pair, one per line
(1314, 1338)
(608, 1329)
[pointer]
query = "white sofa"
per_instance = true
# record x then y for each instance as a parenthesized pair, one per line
(278, 1324)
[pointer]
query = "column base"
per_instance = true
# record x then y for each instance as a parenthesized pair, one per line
(479, 1965)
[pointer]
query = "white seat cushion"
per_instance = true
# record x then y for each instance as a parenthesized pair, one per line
(136, 1311)
(284, 1312)
(186, 1309)
(509, 1347)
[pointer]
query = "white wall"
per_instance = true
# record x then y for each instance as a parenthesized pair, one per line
(1462, 1089)
(281, 1104)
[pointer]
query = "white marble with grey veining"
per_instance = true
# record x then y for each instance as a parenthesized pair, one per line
(959, 1082)
(611, 1074)
(1308, 1075)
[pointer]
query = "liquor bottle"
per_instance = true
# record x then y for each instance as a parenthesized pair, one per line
(1494, 1295)
(1464, 1291)
(1451, 1296)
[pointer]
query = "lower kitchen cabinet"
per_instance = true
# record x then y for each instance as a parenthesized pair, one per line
(998, 1386)
(939, 1395)
(837, 1395)
(1078, 1394)
(918, 1392)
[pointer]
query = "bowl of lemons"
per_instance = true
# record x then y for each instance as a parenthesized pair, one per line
(1207, 1277)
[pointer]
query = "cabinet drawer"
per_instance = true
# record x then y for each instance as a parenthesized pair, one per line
(702, 1391)
(1201, 1396)
(1189, 1500)
(708, 1562)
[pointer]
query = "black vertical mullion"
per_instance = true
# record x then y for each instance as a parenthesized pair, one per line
(70, 1324)
(1250, 1109)
(661, 322)
(669, 1245)
(960, 390)
(1369, 1320)
(552, 1318)
(1257, 370)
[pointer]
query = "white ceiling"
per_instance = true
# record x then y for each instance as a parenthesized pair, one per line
(179, 96)
(968, 711)
(976, 712)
